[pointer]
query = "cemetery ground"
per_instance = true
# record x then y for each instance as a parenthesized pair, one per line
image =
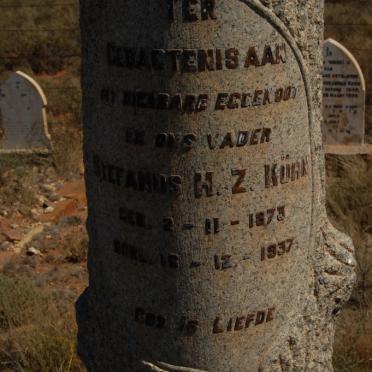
(43, 264)
(43, 242)
(349, 203)
(43, 260)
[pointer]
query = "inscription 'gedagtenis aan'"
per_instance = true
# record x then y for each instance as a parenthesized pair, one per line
(194, 60)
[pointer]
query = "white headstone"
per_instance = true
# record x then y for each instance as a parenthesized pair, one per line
(23, 122)
(344, 95)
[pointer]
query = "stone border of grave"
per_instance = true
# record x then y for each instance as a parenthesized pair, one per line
(365, 149)
(361, 149)
(44, 151)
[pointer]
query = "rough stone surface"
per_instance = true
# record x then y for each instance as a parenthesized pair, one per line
(208, 251)
(344, 96)
(23, 123)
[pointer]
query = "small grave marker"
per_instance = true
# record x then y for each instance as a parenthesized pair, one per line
(23, 122)
(344, 95)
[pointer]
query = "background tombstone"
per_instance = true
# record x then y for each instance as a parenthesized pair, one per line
(343, 23)
(344, 96)
(210, 249)
(23, 122)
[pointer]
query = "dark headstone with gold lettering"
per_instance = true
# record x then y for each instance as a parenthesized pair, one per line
(210, 248)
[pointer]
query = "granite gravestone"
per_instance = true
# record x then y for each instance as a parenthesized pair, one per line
(209, 245)
(23, 123)
(344, 95)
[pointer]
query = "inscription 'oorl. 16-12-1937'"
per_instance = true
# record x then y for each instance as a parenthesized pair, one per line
(207, 183)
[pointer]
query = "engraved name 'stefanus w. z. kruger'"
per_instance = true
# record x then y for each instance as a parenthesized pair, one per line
(203, 182)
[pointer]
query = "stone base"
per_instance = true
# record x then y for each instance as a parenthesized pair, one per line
(42, 151)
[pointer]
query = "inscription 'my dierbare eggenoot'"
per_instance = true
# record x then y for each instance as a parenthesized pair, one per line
(194, 103)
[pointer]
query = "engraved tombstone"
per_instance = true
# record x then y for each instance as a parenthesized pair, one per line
(23, 122)
(209, 249)
(344, 96)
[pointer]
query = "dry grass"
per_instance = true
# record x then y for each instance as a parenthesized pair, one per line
(36, 329)
(41, 51)
(349, 196)
(353, 342)
(77, 249)
(67, 152)
(19, 178)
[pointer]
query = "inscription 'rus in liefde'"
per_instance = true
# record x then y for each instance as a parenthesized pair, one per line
(243, 322)
(190, 327)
